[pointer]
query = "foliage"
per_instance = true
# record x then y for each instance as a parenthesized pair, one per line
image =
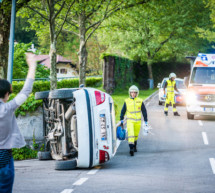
(24, 153)
(123, 72)
(20, 67)
(22, 34)
(66, 83)
(31, 104)
(157, 30)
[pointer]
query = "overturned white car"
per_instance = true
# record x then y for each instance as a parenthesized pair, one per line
(79, 127)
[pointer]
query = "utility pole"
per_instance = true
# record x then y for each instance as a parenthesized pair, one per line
(11, 45)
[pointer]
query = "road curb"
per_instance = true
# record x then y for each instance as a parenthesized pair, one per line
(150, 97)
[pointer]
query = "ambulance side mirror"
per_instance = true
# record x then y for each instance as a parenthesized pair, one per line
(186, 81)
(159, 85)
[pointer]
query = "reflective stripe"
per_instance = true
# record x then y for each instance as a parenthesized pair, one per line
(131, 137)
(133, 119)
(135, 112)
(131, 143)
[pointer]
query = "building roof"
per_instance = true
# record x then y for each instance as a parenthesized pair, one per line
(45, 60)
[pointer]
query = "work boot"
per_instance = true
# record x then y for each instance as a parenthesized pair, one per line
(166, 113)
(135, 146)
(131, 149)
(176, 114)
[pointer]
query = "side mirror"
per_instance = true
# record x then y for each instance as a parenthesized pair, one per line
(186, 81)
(159, 85)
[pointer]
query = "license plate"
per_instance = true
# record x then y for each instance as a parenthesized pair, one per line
(103, 129)
(208, 109)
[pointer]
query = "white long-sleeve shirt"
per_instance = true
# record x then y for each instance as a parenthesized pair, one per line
(10, 135)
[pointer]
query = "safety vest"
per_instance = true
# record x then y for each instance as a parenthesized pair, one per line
(170, 87)
(133, 109)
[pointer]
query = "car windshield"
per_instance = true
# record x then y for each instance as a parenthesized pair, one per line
(179, 84)
(203, 75)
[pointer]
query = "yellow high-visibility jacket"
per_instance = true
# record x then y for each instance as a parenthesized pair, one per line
(170, 87)
(134, 108)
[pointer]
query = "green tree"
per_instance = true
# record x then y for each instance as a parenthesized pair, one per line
(44, 17)
(20, 67)
(5, 15)
(154, 29)
(86, 17)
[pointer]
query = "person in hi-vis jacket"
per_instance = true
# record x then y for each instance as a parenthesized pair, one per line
(133, 107)
(169, 93)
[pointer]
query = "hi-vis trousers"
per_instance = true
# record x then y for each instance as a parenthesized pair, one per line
(170, 98)
(133, 128)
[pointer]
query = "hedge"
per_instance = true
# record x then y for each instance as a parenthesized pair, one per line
(31, 104)
(66, 83)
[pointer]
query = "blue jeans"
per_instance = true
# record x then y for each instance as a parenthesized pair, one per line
(7, 177)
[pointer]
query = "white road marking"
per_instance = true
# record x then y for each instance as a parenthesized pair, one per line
(67, 191)
(205, 138)
(212, 162)
(200, 123)
(93, 171)
(80, 181)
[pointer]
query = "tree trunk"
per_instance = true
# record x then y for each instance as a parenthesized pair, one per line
(4, 37)
(53, 74)
(82, 49)
(151, 81)
(52, 51)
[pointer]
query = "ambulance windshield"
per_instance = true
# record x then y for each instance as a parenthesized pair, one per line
(203, 75)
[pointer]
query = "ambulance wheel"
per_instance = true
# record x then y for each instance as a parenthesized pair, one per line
(66, 164)
(160, 103)
(190, 116)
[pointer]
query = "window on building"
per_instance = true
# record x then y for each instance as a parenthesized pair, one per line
(63, 71)
(57, 70)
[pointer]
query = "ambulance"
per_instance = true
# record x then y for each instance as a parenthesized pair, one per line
(200, 95)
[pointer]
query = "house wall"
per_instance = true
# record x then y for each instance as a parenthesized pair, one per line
(71, 72)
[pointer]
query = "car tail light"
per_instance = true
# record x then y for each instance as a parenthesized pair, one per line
(103, 156)
(100, 97)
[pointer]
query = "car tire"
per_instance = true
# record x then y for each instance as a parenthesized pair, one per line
(66, 164)
(42, 95)
(160, 103)
(190, 116)
(44, 155)
(61, 94)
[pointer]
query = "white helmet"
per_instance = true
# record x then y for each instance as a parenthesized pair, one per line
(172, 75)
(133, 88)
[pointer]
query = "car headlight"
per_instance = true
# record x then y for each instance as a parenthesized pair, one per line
(191, 98)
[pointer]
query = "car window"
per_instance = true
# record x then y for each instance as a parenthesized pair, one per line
(180, 84)
(163, 84)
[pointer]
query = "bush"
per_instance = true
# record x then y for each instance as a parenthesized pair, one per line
(24, 153)
(66, 83)
(31, 104)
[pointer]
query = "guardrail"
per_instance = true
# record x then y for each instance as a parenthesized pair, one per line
(60, 78)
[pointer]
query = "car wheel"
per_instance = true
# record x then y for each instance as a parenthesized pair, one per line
(190, 116)
(61, 94)
(44, 155)
(160, 103)
(66, 164)
(41, 95)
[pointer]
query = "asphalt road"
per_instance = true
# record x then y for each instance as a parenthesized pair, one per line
(177, 158)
